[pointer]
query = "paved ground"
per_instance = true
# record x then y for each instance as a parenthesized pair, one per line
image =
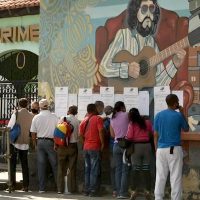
(34, 195)
(18, 195)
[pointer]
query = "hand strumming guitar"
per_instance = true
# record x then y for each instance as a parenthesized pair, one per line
(179, 57)
(134, 70)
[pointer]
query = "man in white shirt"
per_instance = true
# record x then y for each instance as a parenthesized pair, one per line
(68, 153)
(20, 148)
(42, 129)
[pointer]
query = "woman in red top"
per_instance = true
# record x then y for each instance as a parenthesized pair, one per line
(140, 132)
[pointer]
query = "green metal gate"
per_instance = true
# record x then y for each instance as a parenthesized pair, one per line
(18, 78)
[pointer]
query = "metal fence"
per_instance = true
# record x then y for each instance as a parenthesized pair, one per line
(11, 92)
(5, 151)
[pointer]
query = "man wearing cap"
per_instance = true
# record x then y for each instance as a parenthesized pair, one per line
(42, 129)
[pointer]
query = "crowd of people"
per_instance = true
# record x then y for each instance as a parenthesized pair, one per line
(129, 166)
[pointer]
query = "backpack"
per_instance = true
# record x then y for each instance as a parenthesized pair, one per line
(62, 133)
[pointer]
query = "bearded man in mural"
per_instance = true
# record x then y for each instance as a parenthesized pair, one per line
(121, 65)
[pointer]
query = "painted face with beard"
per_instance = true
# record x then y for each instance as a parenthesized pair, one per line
(145, 18)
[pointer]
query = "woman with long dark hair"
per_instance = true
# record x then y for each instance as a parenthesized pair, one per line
(140, 132)
(118, 129)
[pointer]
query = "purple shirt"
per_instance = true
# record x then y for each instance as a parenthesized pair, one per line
(120, 124)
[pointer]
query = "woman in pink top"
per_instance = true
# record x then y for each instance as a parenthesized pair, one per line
(140, 132)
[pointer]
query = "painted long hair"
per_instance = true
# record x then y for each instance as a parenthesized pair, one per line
(132, 11)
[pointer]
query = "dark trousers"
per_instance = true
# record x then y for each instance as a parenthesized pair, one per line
(67, 159)
(24, 163)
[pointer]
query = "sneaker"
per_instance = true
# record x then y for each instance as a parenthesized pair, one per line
(59, 192)
(67, 193)
(147, 195)
(25, 189)
(114, 194)
(41, 191)
(122, 197)
(85, 193)
(10, 189)
(133, 195)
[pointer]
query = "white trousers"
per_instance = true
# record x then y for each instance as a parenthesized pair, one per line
(165, 163)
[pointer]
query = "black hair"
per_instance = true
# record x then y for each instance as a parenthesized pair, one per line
(119, 106)
(91, 108)
(135, 117)
(132, 11)
(99, 103)
(171, 99)
(23, 103)
(73, 110)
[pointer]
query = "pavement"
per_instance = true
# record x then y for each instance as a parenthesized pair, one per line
(34, 195)
(18, 195)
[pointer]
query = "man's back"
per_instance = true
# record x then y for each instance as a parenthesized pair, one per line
(44, 123)
(91, 133)
(169, 123)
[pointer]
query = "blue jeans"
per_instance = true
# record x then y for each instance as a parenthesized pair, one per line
(45, 150)
(121, 171)
(92, 170)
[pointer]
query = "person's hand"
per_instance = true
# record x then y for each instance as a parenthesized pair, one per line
(55, 147)
(134, 70)
(179, 57)
(181, 109)
(102, 147)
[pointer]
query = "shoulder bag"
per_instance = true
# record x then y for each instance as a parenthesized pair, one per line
(15, 131)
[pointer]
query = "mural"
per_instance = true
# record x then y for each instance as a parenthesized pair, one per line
(92, 43)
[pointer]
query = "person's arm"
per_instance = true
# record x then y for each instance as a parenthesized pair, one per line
(112, 133)
(81, 139)
(155, 140)
(34, 139)
(33, 131)
(130, 133)
(185, 125)
(156, 133)
(12, 120)
(101, 136)
(81, 134)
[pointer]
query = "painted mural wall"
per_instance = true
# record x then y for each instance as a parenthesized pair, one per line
(88, 43)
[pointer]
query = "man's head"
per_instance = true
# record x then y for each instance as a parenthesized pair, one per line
(23, 103)
(108, 110)
(100, 107)
(143, 15)
(44, 104)
(91, 109)
(73, 110)
(172, 101)
(35, 107)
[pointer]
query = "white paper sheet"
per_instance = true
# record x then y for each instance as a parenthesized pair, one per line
(179, 94)
(160, 94)
(72, 100)
(131, 98)
(96, 97)
(84, 98)
(61, 101)
(143, 103)
(107, 95)
(119, 97)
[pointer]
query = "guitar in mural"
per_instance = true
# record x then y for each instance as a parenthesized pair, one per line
(147, 60)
